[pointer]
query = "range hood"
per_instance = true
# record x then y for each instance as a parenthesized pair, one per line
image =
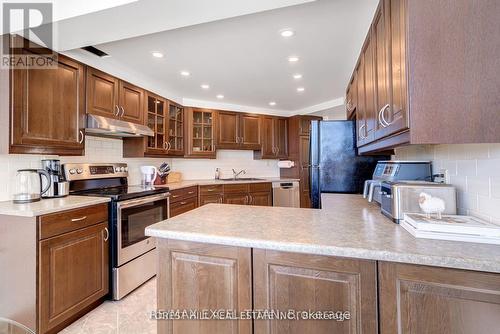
(104, 126)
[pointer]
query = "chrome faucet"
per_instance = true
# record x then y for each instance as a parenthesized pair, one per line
(236, 174)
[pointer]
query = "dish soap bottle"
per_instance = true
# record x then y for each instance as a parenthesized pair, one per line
(217, 173)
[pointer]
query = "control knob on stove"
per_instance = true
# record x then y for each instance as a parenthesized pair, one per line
(117, 169)
(122, 169)
(72, 171)
(79, 170)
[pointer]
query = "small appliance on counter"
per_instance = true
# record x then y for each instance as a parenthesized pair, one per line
(58, 186)
(402, 197)
(149, 175)
(396, 170)
(28, 185)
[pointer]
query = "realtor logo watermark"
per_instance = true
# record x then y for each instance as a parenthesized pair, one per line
(33, 21)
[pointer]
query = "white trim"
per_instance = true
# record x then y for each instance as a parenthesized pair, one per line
(320, 107)
(232, 107)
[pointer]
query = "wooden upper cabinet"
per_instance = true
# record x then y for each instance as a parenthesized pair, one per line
(102, 94)
(250, 128)
(131, 103)
(201, 129)
(369, 69)
(48, 109)
(430, 88)
(228, 136)
(274, 138)
(238, 131)
(175, 129)
(281, 137)
(290, 281)
(397, 116)
(419, 299)
(110, 97)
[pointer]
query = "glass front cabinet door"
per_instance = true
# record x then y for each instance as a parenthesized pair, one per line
(201, 130)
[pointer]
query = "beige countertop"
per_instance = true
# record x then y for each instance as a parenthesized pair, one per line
(46, 206)
(347, 226)
(189, 183)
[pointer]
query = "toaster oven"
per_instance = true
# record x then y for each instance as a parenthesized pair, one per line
(398, 198)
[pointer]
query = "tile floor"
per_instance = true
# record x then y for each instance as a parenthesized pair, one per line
(127, 316)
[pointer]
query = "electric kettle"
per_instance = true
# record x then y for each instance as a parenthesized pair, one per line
(28, 186)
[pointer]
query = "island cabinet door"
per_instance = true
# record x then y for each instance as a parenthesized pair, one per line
(431, 300)
(195, 276)
(301, 282)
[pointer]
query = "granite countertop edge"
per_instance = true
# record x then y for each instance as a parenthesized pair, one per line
(348, 252)
(49, 206)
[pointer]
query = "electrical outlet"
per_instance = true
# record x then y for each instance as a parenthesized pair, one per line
(444, 176)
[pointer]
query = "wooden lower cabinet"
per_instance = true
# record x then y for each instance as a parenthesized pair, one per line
(261, 198)
(195, 276)
(183, 200)
(73, 275)
(208, 199)
(183, 206)
(240, 199)
(259, 194)
(420, 299)
(301, 282)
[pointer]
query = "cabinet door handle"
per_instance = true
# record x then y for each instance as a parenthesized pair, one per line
(190, 192)
(381, 118)
(106, 235)
(183, 203)
(169, 146)
(82, 137)
(361, 136)
(277, 150)
(117, 110)
(78, 219)
(382, 114)
(175, 196)
(123, 112)
(210, 190)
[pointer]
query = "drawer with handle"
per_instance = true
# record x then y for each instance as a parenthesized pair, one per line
(178, 195)
(211, 190)
(66, 221)
(183, 206)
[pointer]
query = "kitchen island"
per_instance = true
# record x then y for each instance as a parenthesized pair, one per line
(346, 257)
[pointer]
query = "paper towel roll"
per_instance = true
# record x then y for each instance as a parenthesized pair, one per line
(286, 164)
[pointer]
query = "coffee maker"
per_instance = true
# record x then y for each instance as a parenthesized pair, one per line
(58, 186)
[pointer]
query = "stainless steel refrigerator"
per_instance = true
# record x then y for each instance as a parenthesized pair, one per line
(336, 166)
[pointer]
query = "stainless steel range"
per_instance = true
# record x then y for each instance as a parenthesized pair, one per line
(131, 210)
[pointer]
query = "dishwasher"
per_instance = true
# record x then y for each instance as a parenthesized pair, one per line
(286, 194)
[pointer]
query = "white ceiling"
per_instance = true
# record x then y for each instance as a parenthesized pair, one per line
(243, 57)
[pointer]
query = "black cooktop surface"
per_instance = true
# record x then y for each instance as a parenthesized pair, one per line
(123, 192)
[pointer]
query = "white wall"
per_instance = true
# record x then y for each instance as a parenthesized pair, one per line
(99, 149)
(474, 169)
(337, 113)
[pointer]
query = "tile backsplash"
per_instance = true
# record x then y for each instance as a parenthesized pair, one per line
(473, 168)
(99, 149)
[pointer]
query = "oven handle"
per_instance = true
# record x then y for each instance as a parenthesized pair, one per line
(141, 201)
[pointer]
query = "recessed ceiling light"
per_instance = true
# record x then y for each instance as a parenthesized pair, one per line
(287, 32)
(220, 96)
(272, 104)
(157, 54)
(185, 73)
(293, 59)
(301, 89)
(297, 76)
(205, 86)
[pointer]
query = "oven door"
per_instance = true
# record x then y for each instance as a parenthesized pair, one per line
(133, 216)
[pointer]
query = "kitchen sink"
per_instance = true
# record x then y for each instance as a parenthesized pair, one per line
(243, 179)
